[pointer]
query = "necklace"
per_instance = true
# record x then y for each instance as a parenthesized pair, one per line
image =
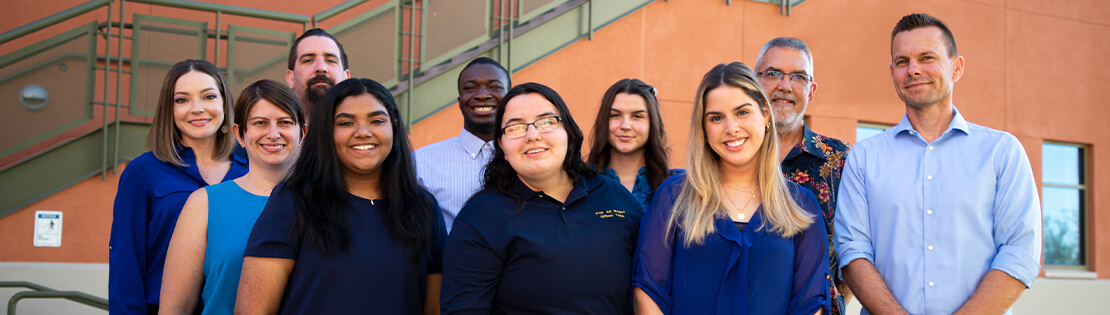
(745, 205)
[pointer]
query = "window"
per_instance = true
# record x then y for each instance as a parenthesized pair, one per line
(1063, 201)
(866, 130)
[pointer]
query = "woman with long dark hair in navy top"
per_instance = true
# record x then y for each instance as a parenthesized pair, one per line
(546, 234)
(350, 230)
(207, 246)
(190, 145)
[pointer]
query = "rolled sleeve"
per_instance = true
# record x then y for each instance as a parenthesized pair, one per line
(1017, 227)
(852, 227)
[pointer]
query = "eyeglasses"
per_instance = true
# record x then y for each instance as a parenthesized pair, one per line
(797, 78)
(542, 125)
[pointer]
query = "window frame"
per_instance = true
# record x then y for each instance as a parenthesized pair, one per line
(1084, 205)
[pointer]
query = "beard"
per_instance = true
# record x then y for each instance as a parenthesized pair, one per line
(314, 93)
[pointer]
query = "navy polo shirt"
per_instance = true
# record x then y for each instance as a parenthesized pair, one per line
(547, 257)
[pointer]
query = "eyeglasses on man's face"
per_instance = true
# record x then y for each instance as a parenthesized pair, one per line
(542, 125)
(774, 76)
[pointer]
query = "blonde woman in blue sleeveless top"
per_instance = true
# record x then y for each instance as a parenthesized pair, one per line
(269, 124)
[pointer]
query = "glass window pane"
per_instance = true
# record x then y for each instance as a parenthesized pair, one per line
(1063, 243)
(1061, 164)
(864, 132)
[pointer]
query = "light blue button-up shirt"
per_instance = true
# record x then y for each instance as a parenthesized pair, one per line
(452, 171)
(935, 217)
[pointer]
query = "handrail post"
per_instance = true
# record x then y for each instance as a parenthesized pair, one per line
(119, 85)
(107, 71)
(218, 15)
(590, 18)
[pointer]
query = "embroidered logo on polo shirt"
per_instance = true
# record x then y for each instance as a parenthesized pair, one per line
(610, 213)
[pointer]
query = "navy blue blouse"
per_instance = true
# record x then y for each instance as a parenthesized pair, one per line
(543, 256)
(374, 274)
(642, 188)
(150, 197)
(733, 272)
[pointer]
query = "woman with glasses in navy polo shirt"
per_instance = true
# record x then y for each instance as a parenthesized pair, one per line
(546, 234)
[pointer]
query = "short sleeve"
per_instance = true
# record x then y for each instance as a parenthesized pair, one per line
(127, 246)
(654, 255)
(811, 260)
(271, 234)
(472, 272)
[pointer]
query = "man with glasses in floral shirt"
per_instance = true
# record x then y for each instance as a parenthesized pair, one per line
(785, 67)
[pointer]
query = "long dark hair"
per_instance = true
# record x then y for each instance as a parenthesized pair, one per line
(321, 195)
(655, 149)
(500, 174)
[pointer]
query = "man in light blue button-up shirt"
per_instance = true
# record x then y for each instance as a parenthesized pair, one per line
(936, 215)
(452, 169)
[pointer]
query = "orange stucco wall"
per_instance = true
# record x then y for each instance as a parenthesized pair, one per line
(1032, 69)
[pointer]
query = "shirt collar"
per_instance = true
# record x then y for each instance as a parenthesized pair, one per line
(472, 144)
(582, 187)
(958, 123)
(807, 145)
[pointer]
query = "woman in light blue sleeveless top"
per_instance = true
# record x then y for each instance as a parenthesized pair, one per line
(269, 124)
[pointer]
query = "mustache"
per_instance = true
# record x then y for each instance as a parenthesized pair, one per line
(320, 78)
(783, 95)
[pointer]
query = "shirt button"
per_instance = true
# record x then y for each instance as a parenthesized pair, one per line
(930, 177)
(930, 283)
(930, 148)
(928, 211)
(930, 247)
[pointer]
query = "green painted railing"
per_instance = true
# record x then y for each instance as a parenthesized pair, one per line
(42, 292)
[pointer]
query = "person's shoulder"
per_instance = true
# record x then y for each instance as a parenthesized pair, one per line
(487, 208)
(834, 143)
(990, 133)
(146, 159)
(436, 147)
(803, 197)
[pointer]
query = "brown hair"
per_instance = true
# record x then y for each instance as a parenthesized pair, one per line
(276, 93)
(919, 20)
(164, 138)
(655, 149)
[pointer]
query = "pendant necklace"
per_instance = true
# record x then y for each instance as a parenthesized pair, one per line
(745, 205)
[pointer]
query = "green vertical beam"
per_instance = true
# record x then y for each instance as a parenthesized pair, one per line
(107, 70)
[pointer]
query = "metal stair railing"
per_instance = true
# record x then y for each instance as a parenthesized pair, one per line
(43, 292)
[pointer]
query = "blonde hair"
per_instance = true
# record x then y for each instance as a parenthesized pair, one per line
(698, 204)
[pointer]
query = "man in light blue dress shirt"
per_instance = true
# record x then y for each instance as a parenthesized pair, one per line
(452, 169)
(936, 215)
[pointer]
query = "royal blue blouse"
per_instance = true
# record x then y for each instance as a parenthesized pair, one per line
(150, 196)
(733, 272)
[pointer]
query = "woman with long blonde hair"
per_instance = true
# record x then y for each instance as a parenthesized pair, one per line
(731, 235)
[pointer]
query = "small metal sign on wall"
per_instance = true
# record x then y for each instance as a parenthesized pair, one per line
(48, 228)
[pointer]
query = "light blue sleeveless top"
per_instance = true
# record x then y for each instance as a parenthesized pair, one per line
(231, 215)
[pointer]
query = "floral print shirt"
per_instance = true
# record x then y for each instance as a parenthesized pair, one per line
(816, 163)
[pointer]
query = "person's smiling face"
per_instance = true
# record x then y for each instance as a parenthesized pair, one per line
(734, 127)
(363, 135)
